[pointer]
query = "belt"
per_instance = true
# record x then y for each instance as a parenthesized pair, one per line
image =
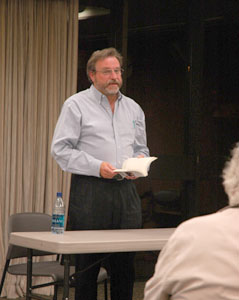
(117, 177)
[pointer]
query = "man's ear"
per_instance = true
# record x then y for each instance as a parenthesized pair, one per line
(92, 76)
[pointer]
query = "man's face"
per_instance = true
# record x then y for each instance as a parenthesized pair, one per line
(107, 76)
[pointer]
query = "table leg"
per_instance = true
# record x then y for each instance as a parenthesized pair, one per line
(29, 274)
(66, 277)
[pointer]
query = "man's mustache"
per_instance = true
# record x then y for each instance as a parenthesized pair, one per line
(113, 81)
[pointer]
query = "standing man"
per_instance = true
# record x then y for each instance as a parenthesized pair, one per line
(97, 130)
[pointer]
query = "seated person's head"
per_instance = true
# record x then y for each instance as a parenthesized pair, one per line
(231, 177)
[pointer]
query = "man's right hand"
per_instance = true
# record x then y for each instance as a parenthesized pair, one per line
(106, 170)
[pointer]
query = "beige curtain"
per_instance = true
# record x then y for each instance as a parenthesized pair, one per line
(38, 71)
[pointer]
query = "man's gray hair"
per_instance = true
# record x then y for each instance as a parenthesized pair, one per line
(231, 177)
(101, 54)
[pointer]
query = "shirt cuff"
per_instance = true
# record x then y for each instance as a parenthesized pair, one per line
(96, 167)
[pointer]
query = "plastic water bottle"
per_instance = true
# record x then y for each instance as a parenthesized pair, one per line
(58, 215)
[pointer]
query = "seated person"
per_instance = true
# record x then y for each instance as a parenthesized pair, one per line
(201, 259)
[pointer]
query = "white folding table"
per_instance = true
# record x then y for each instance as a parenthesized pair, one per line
(88, 241)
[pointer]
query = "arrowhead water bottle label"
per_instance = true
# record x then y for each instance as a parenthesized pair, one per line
(58, 220)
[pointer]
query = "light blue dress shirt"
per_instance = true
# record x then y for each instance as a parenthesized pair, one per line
(88, 133)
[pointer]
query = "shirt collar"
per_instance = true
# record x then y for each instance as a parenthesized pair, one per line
(99, 96)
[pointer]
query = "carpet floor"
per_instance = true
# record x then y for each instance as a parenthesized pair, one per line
(138, 292)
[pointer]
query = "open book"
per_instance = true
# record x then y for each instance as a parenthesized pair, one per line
(135, 166)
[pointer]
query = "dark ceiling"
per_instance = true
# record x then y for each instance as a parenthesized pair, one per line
(150, 15)
(96, 3)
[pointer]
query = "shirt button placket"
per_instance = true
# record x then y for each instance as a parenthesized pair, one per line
(117, 143)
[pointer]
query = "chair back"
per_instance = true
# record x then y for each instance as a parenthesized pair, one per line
(27, 222)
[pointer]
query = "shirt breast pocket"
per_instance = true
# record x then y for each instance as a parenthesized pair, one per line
(127, 131)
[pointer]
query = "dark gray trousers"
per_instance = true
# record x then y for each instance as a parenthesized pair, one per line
(97, 203)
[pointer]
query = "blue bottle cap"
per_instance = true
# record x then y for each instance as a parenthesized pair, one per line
(59, 194)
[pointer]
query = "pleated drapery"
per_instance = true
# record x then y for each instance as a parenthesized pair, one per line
(38, 71)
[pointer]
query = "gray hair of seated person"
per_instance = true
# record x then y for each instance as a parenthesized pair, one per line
(102, 54)
(230, 177)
